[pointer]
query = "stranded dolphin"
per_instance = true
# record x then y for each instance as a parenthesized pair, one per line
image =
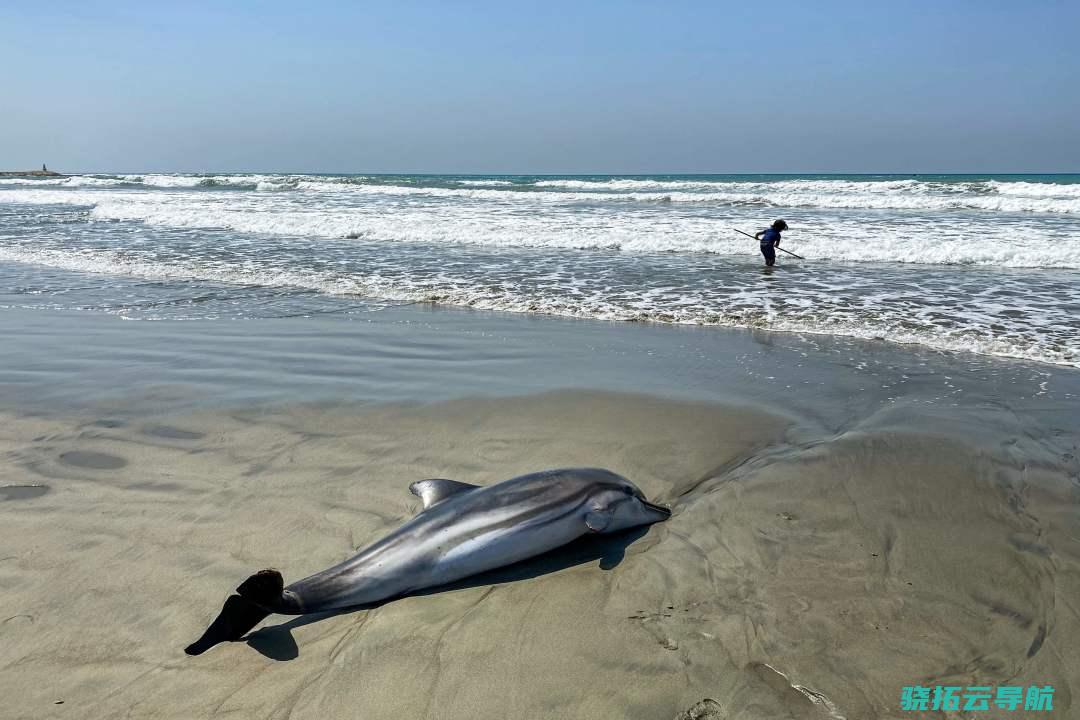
(463, 530)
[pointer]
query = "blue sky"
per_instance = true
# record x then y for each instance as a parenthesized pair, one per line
(542, 87)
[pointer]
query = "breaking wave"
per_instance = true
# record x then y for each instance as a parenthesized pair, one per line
(907, 194)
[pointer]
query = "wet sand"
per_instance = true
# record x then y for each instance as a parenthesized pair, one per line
(818, 560)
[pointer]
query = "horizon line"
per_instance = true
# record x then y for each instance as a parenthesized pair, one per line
(429, 173)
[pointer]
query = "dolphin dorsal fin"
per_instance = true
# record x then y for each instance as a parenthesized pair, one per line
(436, 490)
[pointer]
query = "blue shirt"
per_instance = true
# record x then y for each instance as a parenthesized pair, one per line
(771, 237)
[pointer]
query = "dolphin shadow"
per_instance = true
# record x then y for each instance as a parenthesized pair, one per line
(277, 643)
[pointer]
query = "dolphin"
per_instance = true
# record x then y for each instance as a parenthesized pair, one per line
(462, 530)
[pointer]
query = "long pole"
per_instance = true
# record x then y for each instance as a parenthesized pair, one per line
(776, 246)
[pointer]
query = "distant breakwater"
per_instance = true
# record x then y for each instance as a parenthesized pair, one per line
(29, 173)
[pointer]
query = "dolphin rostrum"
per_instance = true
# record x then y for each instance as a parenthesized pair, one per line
(463, 530)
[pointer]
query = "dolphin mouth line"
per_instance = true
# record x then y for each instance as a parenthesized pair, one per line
(666, 512)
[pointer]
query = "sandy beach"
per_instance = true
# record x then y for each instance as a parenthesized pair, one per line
(821, 555)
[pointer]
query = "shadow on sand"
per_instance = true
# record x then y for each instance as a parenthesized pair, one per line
(277, 643)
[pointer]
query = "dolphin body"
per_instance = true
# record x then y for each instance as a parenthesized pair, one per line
(462, 530)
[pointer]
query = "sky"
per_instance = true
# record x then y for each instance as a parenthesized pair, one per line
(541, 87)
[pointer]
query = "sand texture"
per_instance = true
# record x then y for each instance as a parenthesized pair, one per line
(799, 577)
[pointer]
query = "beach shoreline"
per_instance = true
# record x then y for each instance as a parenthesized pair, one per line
(838, 533)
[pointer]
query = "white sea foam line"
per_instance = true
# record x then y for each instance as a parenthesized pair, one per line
(792, 195)
(929, 242)
(891, 194)
(639, 234)
(191, 181)
(830, 186)
(628, 184)
(504, 295)
(813, 186)
(1031, 189)
(485, 183)
(105, 262)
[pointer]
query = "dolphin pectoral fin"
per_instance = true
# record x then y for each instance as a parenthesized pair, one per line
(597, 520)
(237, 617)
(438, 489)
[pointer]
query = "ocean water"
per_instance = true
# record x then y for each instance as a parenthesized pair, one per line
(983, 264)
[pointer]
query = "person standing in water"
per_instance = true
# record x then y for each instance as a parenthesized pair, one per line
(770, 240)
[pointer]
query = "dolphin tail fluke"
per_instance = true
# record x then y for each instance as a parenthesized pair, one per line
(236, 618)
(242, 611)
